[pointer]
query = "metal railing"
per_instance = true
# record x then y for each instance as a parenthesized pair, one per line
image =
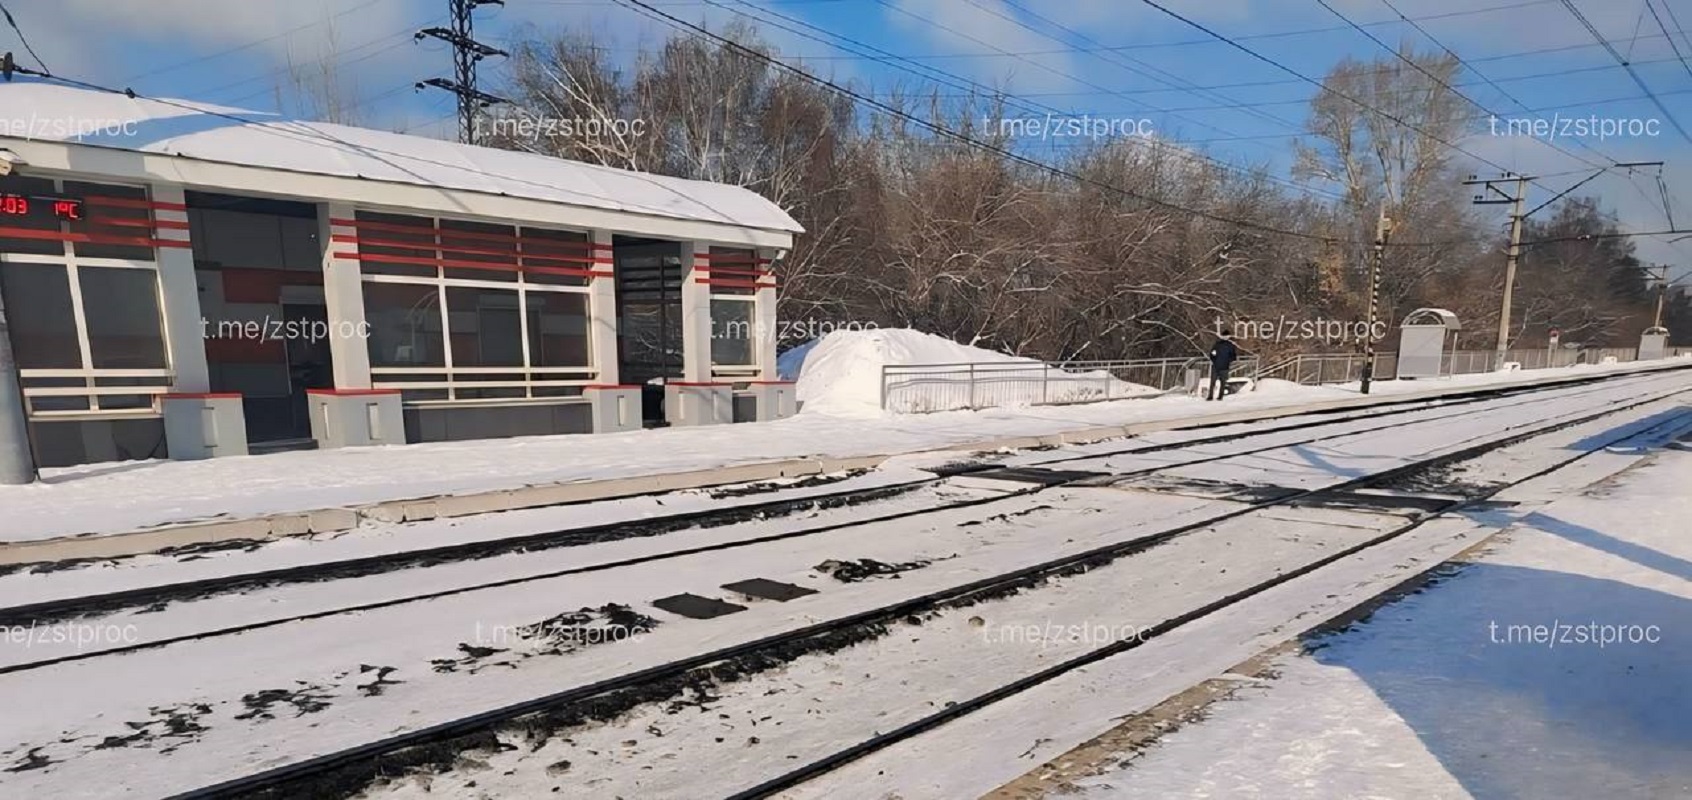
(1315, 369)
(920, 388)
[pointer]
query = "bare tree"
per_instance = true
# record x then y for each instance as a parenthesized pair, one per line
(316, 88)
(1380, 132)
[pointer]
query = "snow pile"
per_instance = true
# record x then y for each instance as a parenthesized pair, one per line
(841, 375)
(789, 363)
(1276, 386)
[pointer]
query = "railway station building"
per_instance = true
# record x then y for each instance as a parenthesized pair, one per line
(187, 281)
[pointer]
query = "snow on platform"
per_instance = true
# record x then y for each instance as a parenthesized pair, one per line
(134, 495)
(1554, 666)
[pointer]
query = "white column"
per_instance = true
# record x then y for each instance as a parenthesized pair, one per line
(696, 312)
(343, 297)
(179, 297)
(602, 311)
(764, 317)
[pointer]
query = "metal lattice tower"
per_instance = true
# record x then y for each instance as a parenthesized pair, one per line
(466, 54)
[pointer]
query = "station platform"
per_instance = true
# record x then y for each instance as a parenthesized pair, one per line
(128, 508)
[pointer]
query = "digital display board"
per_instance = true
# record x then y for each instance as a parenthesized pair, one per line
(66, 209)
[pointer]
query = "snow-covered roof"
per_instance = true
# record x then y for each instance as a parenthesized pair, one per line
(1432, 317)
(40, 111)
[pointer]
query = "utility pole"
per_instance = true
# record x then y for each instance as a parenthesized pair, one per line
(466, 54)
(1662, 290)
(1493, 195)
(17, 466)
(1383, 228)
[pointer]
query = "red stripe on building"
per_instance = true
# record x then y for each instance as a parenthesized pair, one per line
(734, 283)
(446, 234)
(525, 255)
(89, 238)
(457, 264)
(130, 202)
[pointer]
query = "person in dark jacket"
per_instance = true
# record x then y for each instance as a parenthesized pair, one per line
(1222, 355)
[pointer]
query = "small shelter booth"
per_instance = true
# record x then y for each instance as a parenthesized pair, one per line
(1653, 344)
(189, 280)
(1423, 339)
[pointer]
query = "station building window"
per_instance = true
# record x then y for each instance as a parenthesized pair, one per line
(466, 310)
(736, 274)
(83, 301)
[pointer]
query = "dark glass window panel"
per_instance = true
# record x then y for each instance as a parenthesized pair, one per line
(43, 321)
(405, 324)
(121, 309)
(558, 329)
(733, 331)
(486, 330)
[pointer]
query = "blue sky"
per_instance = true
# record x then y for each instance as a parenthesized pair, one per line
(1110, 59)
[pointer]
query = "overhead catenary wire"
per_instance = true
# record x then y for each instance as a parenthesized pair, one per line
(945, 132)
(1396, 52)
(1517, 101)
(5, 12)
(1531, 76)
(1631, 72)
(307, 133)
(1673, 45)
(1685, 35)
(254, 43)
(1322, 86)
(974, 89)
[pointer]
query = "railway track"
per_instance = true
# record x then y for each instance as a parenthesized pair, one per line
(345, 771)
(155, 597)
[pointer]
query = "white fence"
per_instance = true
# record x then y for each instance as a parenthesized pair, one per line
(919, 388)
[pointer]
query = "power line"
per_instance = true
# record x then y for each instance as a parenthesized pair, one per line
(1632, 73)
(1652, 7)
(252, 44)
(299, 132)
(466, 54)
(1369, 71)
(1675, 18)
(1047, 67)
(941, 130)
(959, 82)
(1512, 98)
(700, 32)
(22, 38)
(1134, 64)
(1431, 76)
(395, 39)
(1128, 62)
(1321, 86)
